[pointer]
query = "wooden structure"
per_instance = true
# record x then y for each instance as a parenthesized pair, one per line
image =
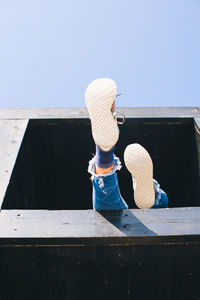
(54, 246)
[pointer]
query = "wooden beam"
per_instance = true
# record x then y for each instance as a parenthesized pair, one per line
(129, 112)
(11, 135)
(197, 123)
(87, 225)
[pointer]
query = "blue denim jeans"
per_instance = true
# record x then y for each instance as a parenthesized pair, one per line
(106, 194)
(161, 199)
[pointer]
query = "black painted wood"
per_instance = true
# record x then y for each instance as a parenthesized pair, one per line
(100, 272)
(51, 170)
(85, 254)
(197, 137)
(11, 136)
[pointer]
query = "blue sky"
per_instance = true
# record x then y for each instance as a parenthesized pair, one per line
(51, 50)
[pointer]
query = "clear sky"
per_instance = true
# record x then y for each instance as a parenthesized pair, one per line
(50, 50)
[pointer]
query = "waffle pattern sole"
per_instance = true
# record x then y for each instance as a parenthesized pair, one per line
(99, 97)
(139, 164)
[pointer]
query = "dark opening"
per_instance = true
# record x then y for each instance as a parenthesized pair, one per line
(51, 168)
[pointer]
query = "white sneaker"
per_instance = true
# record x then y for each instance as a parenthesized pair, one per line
(139, 164)
(100, 101)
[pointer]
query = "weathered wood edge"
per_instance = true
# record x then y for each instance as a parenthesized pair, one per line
(129, 112)
(186, 240)
(197, 123)
(183, 238)
(11, 136)
(134, 226)
(197, 137)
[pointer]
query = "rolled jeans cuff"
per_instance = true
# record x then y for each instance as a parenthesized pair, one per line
(91, 167)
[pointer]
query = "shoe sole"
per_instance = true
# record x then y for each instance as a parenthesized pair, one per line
(99, 97)
(139, 164)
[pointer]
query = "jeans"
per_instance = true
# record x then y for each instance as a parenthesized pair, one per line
(160, 196)
(106, 194)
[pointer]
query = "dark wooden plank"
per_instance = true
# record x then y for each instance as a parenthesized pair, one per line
(136, 112)
(11, 135)
(50, 165)
(197, 137)
(102, 267)
(167, 272)
(92, 224)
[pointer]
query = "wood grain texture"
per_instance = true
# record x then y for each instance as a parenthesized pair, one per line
(167, 272)
(136, 112)
(86, 254)
(11, 135)
(93, 224)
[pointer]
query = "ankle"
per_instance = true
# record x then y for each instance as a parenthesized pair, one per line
(104, 159)
(101, 171)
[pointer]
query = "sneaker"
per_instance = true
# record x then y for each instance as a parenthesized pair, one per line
(139, 164)
(147, 191)
(100, 101)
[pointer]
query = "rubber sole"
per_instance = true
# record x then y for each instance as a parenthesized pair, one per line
(139, 164)
(99, 97)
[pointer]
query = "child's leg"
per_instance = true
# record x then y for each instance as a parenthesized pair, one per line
(106, 193)
(100, 100)
(100, 97)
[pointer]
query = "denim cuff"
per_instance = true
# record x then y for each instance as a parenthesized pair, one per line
(91, 168)
(157, 190)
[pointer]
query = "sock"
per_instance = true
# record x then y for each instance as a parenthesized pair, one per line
(104, 159)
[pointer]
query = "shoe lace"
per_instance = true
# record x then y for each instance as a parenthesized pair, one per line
(114, 113)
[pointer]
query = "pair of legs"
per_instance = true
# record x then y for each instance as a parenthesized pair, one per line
(100, 100)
